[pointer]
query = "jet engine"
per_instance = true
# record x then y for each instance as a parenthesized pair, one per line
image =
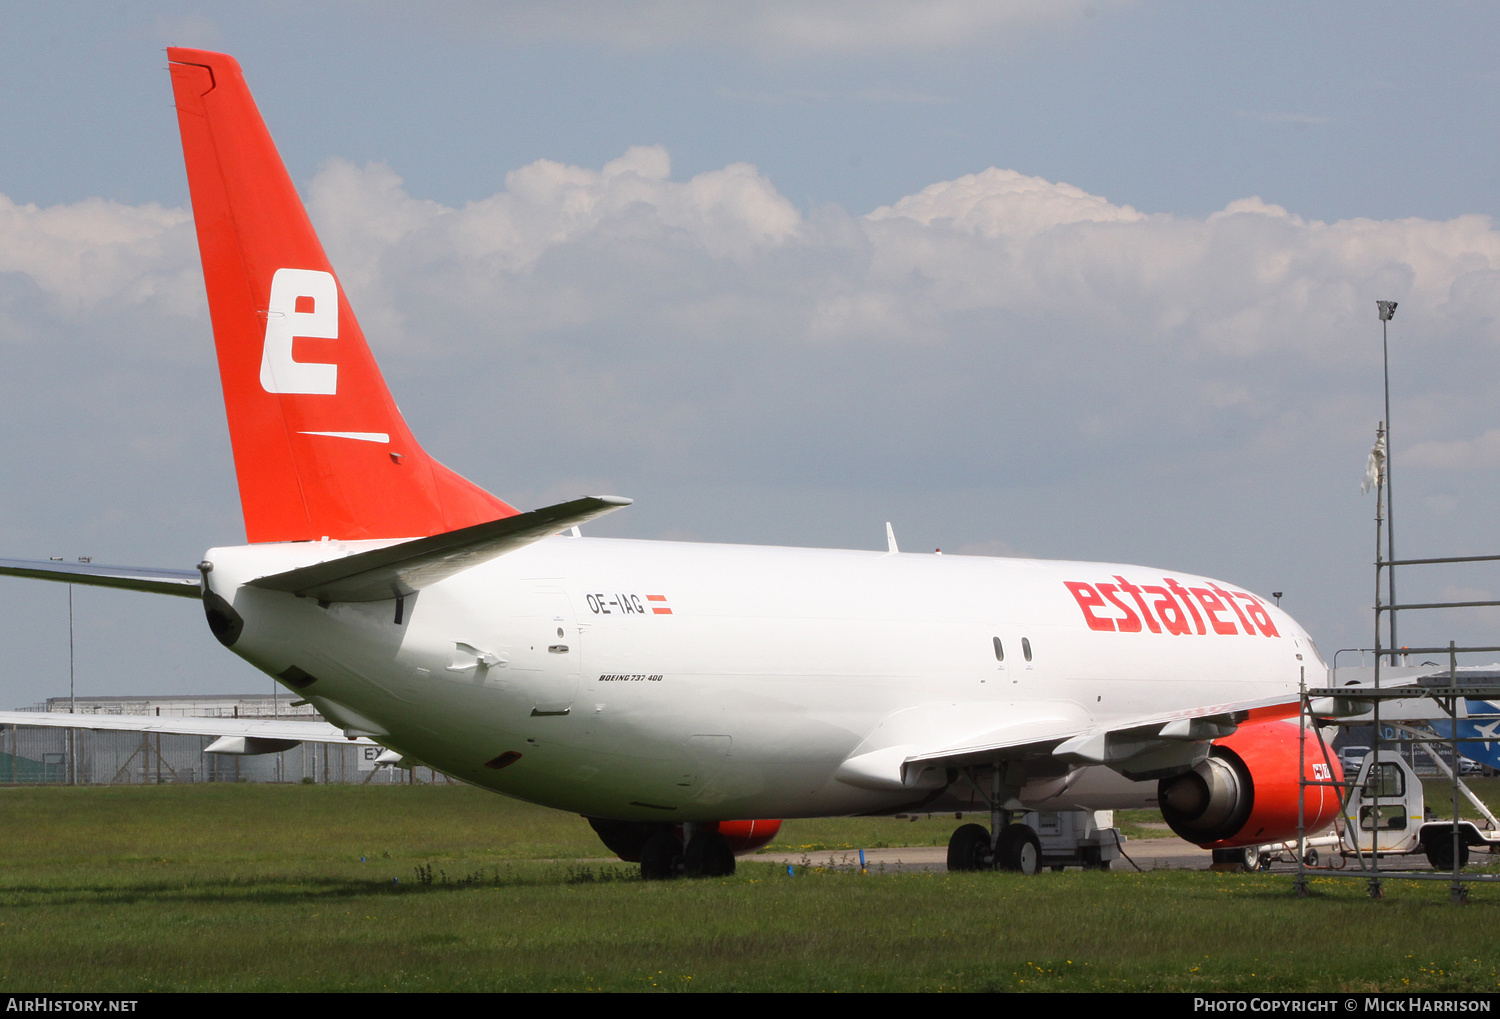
(1246, 791)
(626, 839)
(748, 836)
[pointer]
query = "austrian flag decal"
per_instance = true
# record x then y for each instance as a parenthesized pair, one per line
(1122, 607)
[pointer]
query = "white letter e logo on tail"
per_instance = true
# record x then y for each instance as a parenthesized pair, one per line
(304, 302)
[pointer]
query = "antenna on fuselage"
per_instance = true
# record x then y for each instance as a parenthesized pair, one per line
(890, 538)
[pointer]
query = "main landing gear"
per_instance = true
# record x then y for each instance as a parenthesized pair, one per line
(695, 849)
(1014, 847)
(705, 854)
(1017, 849)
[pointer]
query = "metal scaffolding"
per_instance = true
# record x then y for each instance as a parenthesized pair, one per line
(1450, 690)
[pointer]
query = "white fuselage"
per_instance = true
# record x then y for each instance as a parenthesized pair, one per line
(673, 681)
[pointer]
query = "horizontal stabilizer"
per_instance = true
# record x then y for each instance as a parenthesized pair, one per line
(300, 731)
(402, 569)
(183, 583)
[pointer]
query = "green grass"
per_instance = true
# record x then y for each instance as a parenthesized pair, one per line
(244, 887)
(1439, 795)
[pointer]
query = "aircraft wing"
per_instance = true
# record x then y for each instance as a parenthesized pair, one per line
(407, 567)
(292, 730)
(933, 737)
(183, 583)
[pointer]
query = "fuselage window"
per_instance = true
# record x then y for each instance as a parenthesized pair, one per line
(999, 651)
(1026, 648)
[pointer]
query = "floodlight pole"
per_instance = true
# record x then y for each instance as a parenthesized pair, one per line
(72, 696)
(1387, 311)
(73, 755)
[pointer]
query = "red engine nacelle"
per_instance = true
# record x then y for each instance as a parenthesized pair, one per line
(748, 836)
(626, 839)
(1246, 792)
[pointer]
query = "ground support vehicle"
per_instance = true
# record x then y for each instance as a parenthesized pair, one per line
(1388, 810)
(1033, 839)
(1077, 838)
(1387, 816)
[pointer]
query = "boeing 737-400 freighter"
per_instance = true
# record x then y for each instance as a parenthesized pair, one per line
(667, 691)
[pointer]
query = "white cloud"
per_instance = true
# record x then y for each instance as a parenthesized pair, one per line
(564, 246)
(1249, 279)
(1004, 203)
(996, 325)
(682, 319)
(90, 252)
(855, 25)
(478, 257)
(1454, 454)
(1100, 381)
(1441, 504)
(806, 26)
(818, 96)
(1474, 615)
(195, 30)
(730, 213)
(1086, 284)
(1275, 117)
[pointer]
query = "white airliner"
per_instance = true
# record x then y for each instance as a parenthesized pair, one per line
(665, 690)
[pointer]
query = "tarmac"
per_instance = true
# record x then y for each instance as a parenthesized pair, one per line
(1136, 855)
(1145, 854)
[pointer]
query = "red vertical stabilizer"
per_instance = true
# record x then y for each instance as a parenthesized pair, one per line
(320, 449)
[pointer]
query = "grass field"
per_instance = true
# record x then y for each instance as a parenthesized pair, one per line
(249, 887)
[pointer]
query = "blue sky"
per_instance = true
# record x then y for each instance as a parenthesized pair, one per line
(1086, 280)
(1332, 110)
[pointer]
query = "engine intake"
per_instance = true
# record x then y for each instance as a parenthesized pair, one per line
(1246, 792)
(1212, 801)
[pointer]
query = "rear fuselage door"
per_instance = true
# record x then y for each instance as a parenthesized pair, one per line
(548, 658)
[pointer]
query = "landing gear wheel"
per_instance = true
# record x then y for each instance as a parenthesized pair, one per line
(1018, 849)
(969, 849)
(1251, 857)
(1309, 859)
(625, 839)
(1234, 858)
(708, 855)
(661, 857)
(1440, 853)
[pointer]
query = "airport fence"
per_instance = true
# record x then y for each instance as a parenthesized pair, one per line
(36, 755)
